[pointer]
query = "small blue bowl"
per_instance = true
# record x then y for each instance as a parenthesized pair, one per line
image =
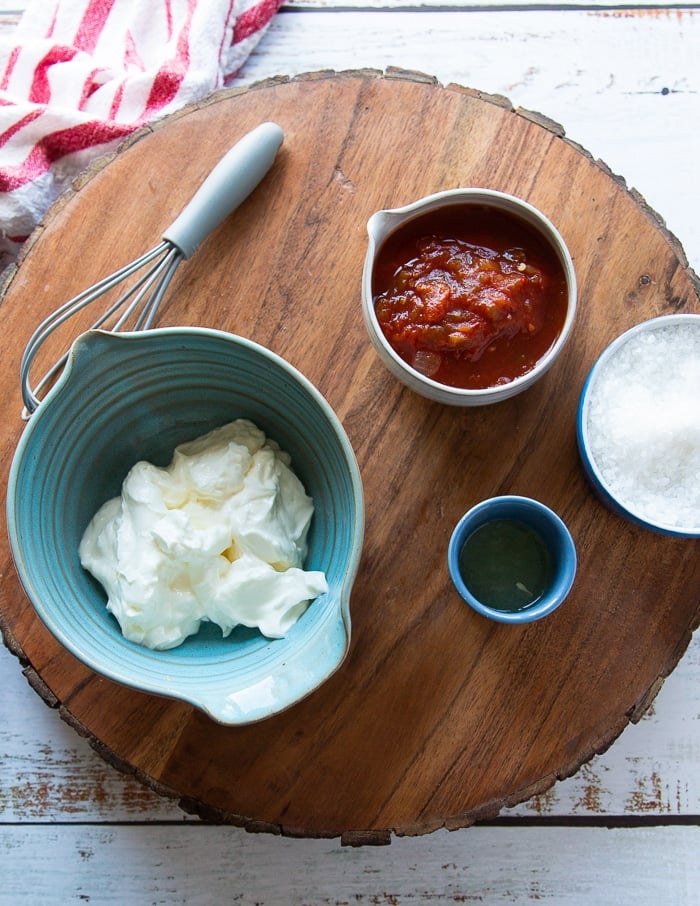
(552, 536)
(133, 396)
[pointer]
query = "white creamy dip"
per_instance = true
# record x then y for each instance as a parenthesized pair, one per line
(219, 535)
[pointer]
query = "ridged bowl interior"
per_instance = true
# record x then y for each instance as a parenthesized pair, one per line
(128, 397)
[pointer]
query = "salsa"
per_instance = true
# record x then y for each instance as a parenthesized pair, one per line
(469, 296)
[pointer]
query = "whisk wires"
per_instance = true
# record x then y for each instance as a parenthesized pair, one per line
(139, 302)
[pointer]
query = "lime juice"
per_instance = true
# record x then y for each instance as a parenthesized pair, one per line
(505, 564)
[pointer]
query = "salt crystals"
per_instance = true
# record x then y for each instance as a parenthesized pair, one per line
(643, 424)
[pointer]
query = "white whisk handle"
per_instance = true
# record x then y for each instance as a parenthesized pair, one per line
(229, 183)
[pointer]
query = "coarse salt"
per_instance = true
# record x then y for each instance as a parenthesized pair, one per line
(643, 424)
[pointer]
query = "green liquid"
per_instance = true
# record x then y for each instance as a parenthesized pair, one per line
(505, 564)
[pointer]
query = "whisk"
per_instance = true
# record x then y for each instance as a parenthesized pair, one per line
(228, 184)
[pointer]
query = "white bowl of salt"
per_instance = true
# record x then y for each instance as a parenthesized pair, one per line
(639, 425)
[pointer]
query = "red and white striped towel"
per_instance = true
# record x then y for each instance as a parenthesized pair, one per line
(78, 76)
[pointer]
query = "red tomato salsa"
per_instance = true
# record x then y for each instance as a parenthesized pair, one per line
(470, 296)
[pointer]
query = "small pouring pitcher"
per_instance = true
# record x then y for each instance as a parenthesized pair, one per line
(385, 222)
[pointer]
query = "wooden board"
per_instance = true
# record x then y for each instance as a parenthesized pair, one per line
(437, 718)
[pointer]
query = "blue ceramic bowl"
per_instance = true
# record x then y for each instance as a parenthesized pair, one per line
(677, 372)
(127, 397)
(553, 534)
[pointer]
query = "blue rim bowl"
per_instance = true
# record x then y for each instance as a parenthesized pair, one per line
(553, 532)
(605, 493)
(132, 396)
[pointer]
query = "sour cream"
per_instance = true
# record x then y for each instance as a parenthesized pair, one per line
(219, 535)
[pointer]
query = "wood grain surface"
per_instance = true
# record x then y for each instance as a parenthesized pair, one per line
(437, 717)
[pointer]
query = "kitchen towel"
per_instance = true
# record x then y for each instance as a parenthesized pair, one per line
(79, 76)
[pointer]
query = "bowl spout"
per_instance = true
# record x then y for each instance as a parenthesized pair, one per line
(381, 223)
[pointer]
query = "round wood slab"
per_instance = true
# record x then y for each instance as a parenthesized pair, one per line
(438, 717)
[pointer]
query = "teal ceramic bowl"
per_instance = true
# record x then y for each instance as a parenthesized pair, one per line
(133, 396)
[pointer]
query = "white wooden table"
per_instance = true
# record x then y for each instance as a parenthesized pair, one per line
(624, 81)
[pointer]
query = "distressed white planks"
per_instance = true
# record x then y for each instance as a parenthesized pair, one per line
(200, 866)
(431, 6)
